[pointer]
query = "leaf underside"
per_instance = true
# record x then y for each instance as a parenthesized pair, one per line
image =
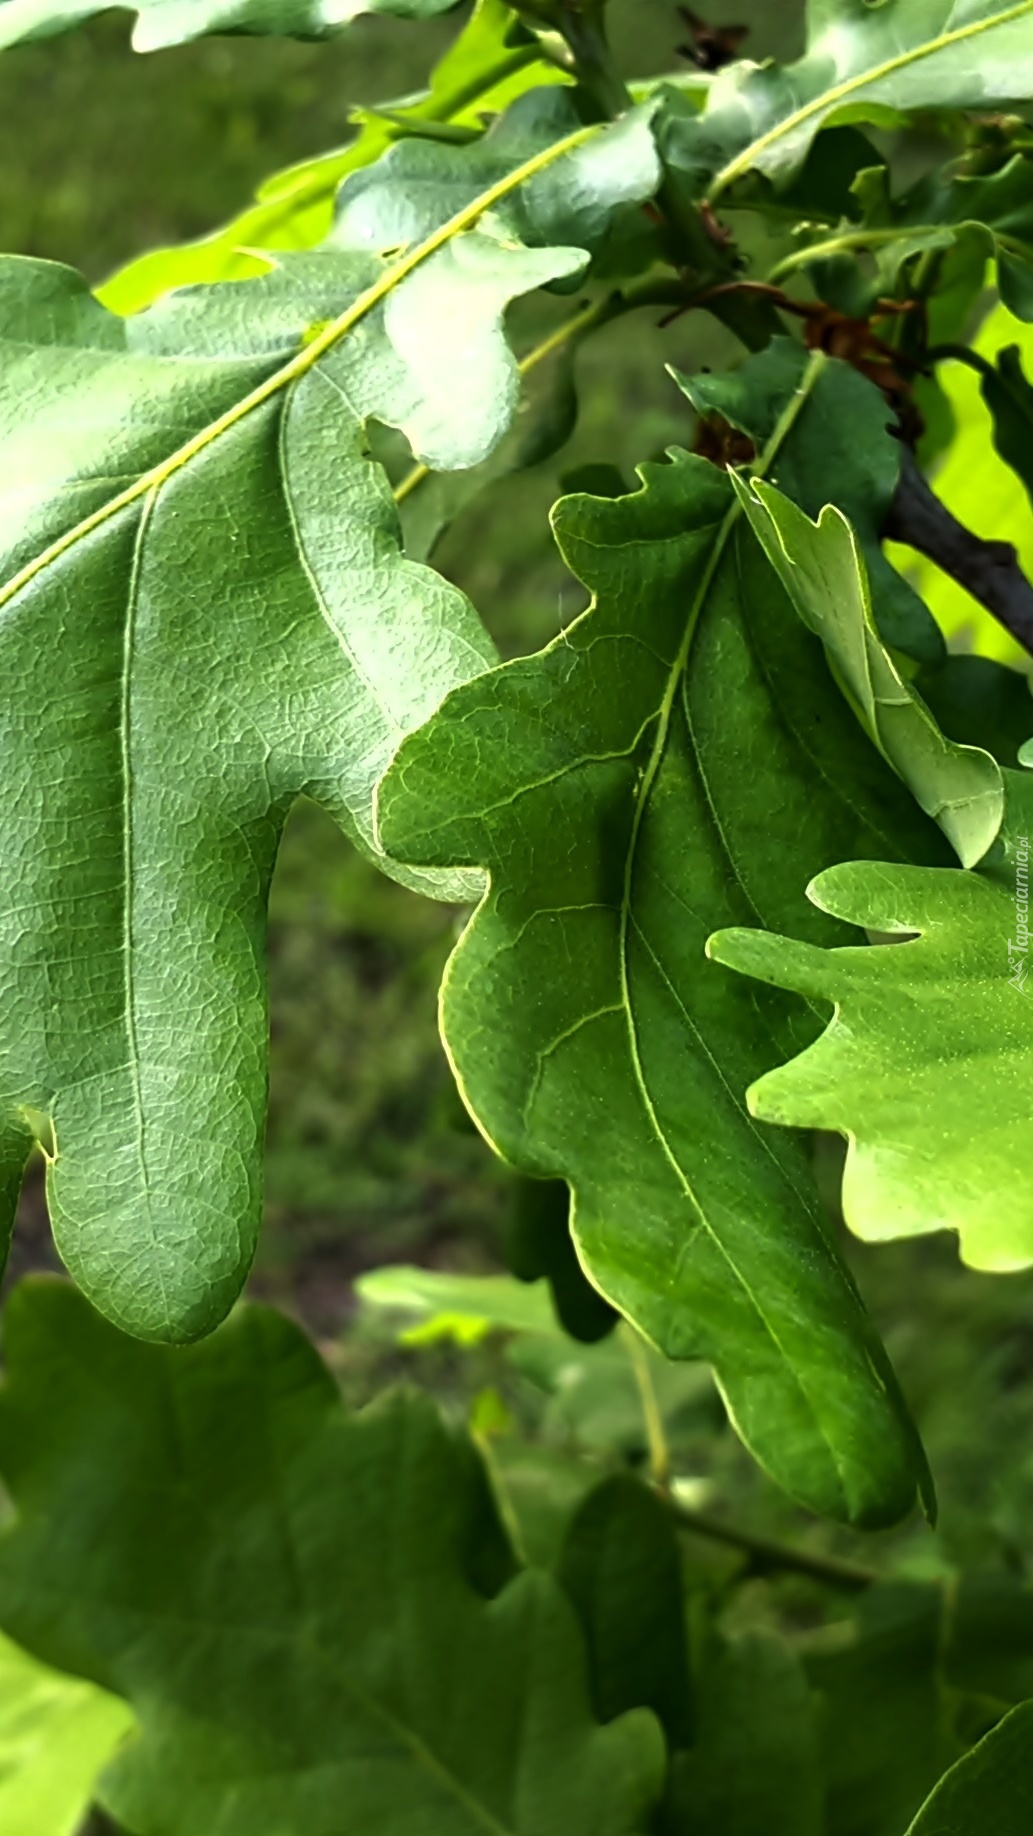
(206, 615)
(926, 1064)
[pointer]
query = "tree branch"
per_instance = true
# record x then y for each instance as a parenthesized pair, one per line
(767, 1557)
(990, 571)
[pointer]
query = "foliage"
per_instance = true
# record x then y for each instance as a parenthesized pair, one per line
(725, 798)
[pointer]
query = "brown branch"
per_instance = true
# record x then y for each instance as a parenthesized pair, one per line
(990, 571)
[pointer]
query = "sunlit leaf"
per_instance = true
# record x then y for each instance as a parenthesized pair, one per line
(667, 759)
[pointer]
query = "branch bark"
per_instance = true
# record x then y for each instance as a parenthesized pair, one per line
(990, 571)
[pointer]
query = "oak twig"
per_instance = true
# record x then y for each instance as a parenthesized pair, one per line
(768, 1557)
(988, 570)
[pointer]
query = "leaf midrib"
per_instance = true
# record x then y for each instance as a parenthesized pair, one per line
(839, 92)
(303, 360)
(784, 425)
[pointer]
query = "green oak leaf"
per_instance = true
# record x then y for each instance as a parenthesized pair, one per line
(753, 1766)
(673, 755)
(863, 62)
(848, 422)
(991, 1788)
(881, 1709)
(822, 567)
(992, 213)
(486, 68)
(57, 1733)
(925, 1065)
(172, 22)
(621, 1567)
(314, 1615)
(205, 613)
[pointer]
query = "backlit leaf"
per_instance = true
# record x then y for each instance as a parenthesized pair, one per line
(926, 1064)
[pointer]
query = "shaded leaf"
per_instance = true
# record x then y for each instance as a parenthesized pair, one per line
(56, 1736)
(850, 449)
(540, 1246)
(289, 1596)
(992, 213)
(753, 1768)
(667, 758)
(822, 568)
(925, 1065)
(882, 1719)
(978, 702)
(990, 1789)
(620, 1566)
(862, 63)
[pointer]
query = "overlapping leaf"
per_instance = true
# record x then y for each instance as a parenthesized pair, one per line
(847, 422)
(668, 758)
(171, 22)
(990, 1789)
(926, 1064)
(312, 1614)
(862, 63)
(205, 614)
(992, 212)
(488, 66)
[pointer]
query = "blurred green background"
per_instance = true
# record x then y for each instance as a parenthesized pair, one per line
(370, 1155)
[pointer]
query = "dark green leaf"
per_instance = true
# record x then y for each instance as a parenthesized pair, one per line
(753, 1769)
(540, 1246)
(883, 1722)
(977, 702)
(288, 1596)
(620, 1566)
(848, 452)
(675, 754)
(990, 1790)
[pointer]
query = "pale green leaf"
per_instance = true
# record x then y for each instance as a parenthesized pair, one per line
(823, 570)
(56, 1736)
(482, 1301)
(206, 614)
(312, 1614)
(171, 22)
(925, 1065)
(990, 1790)
(863, 62)
(488, 66)
(667, 759)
